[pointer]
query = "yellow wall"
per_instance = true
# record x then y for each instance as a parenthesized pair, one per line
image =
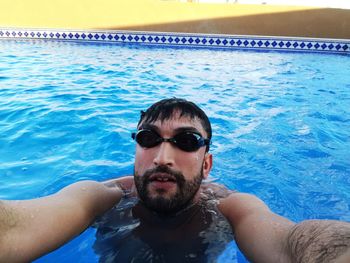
(156, 15)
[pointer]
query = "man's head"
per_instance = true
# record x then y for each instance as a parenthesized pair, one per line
(172, 155)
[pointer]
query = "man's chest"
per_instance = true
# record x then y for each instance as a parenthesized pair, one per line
(135, 236)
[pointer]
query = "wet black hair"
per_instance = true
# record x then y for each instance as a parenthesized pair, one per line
(164, 110)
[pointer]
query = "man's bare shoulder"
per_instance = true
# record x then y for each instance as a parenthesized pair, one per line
(319, 241)
(238, 206)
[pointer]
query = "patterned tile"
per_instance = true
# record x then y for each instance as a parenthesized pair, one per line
(184, 40)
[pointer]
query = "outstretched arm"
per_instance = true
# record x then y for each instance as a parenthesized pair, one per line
(31, 228)
(264, 236)
(320, 241)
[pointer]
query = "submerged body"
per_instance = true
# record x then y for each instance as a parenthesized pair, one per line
(198, 233)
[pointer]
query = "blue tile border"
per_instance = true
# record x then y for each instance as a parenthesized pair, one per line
(183, 40)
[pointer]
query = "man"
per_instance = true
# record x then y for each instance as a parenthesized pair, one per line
(173, 221)
(171, 161)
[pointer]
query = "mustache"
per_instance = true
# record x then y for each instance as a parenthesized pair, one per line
(178, 176)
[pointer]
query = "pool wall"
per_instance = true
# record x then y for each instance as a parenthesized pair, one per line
(162, 39)
(173, 16)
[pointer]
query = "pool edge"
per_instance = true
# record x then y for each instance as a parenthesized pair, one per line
(189, 40)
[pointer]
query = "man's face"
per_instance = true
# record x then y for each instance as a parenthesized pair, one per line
(166, 177)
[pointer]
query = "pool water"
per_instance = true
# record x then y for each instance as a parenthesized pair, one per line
(281, 122)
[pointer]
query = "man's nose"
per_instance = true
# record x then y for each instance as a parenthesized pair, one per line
(165, 154)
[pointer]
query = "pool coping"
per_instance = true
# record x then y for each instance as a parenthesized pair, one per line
(189, 40)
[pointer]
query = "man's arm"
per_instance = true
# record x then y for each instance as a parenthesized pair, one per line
(319, 241)
(31, 228)
(267, 237)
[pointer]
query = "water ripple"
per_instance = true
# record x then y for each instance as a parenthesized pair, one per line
(281, 121)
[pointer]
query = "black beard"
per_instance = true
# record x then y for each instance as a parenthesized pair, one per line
(186, 191)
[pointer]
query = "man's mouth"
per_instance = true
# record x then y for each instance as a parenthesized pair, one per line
(162, 177)
(162, 181)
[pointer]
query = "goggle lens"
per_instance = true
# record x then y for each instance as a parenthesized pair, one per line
(147, 139)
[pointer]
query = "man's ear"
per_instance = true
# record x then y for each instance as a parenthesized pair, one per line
(207, 164)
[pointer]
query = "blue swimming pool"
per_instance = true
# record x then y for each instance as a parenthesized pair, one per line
(281, 122)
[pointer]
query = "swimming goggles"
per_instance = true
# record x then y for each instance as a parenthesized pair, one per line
(185, 141)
